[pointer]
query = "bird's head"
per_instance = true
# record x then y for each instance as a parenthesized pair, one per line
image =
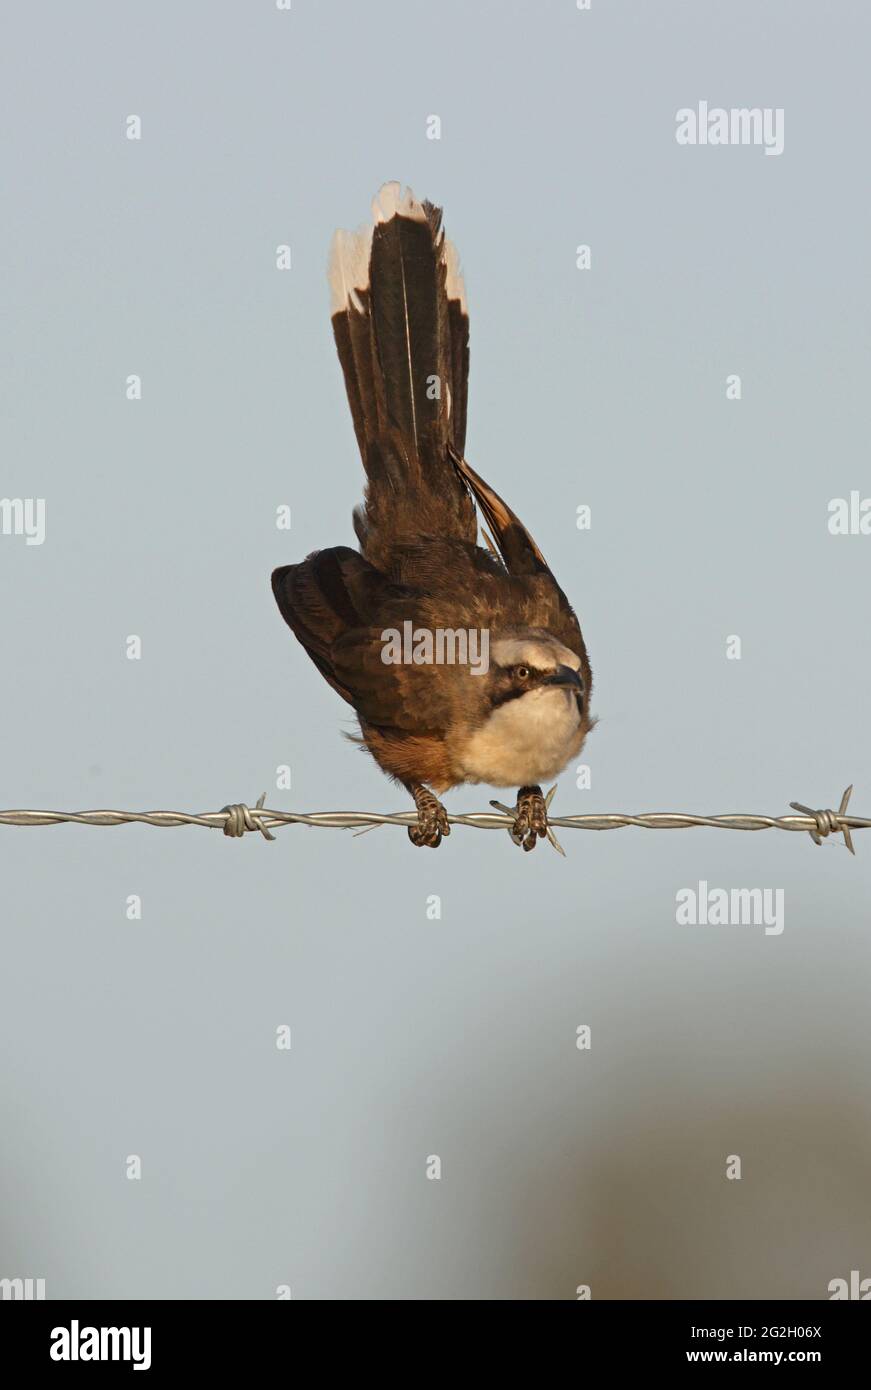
(532, 666)
(532, 712)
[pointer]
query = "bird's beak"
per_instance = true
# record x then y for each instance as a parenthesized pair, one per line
(566, 677)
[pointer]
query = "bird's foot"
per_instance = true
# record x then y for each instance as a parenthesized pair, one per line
(530, 818)
(530, 822)
(432, 819)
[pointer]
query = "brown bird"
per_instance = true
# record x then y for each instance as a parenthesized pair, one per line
(464, 663)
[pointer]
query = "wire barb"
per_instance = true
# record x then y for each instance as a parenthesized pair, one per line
(238, 819)
(241, 818)
(829, 822)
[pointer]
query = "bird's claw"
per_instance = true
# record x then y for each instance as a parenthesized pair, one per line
(530, 818)
(432, 821)
(530, 821)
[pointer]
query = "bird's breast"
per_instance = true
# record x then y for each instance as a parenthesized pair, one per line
(524, 741)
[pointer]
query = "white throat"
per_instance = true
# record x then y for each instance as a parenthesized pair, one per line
(525, 741)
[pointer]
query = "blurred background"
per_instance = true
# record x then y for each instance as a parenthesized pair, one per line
(415, 1035)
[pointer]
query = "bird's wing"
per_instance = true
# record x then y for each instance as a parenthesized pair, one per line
(516, 546)
(416, 699)
(522, 557)
(340, 608)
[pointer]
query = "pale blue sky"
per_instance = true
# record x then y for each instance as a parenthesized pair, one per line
(605, 387)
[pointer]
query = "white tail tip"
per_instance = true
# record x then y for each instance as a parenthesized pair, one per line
(350, 251)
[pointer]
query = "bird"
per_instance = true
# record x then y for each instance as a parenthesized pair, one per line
(517, 718)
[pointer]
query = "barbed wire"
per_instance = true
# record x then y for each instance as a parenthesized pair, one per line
(238, 819)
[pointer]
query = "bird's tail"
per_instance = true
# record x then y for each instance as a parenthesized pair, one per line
(402, 333)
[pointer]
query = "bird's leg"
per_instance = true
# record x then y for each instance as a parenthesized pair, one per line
(530, 823)
(530, 818)
(432, 818)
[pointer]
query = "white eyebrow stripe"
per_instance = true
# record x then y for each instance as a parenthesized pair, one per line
(542, 654)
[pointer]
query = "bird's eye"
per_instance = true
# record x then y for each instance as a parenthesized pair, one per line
(523, 673)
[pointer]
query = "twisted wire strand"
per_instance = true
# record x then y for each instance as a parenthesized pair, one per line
(238, 819)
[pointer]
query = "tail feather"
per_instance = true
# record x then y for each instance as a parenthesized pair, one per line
(408, 295)
(352, 330)
(402, 335)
